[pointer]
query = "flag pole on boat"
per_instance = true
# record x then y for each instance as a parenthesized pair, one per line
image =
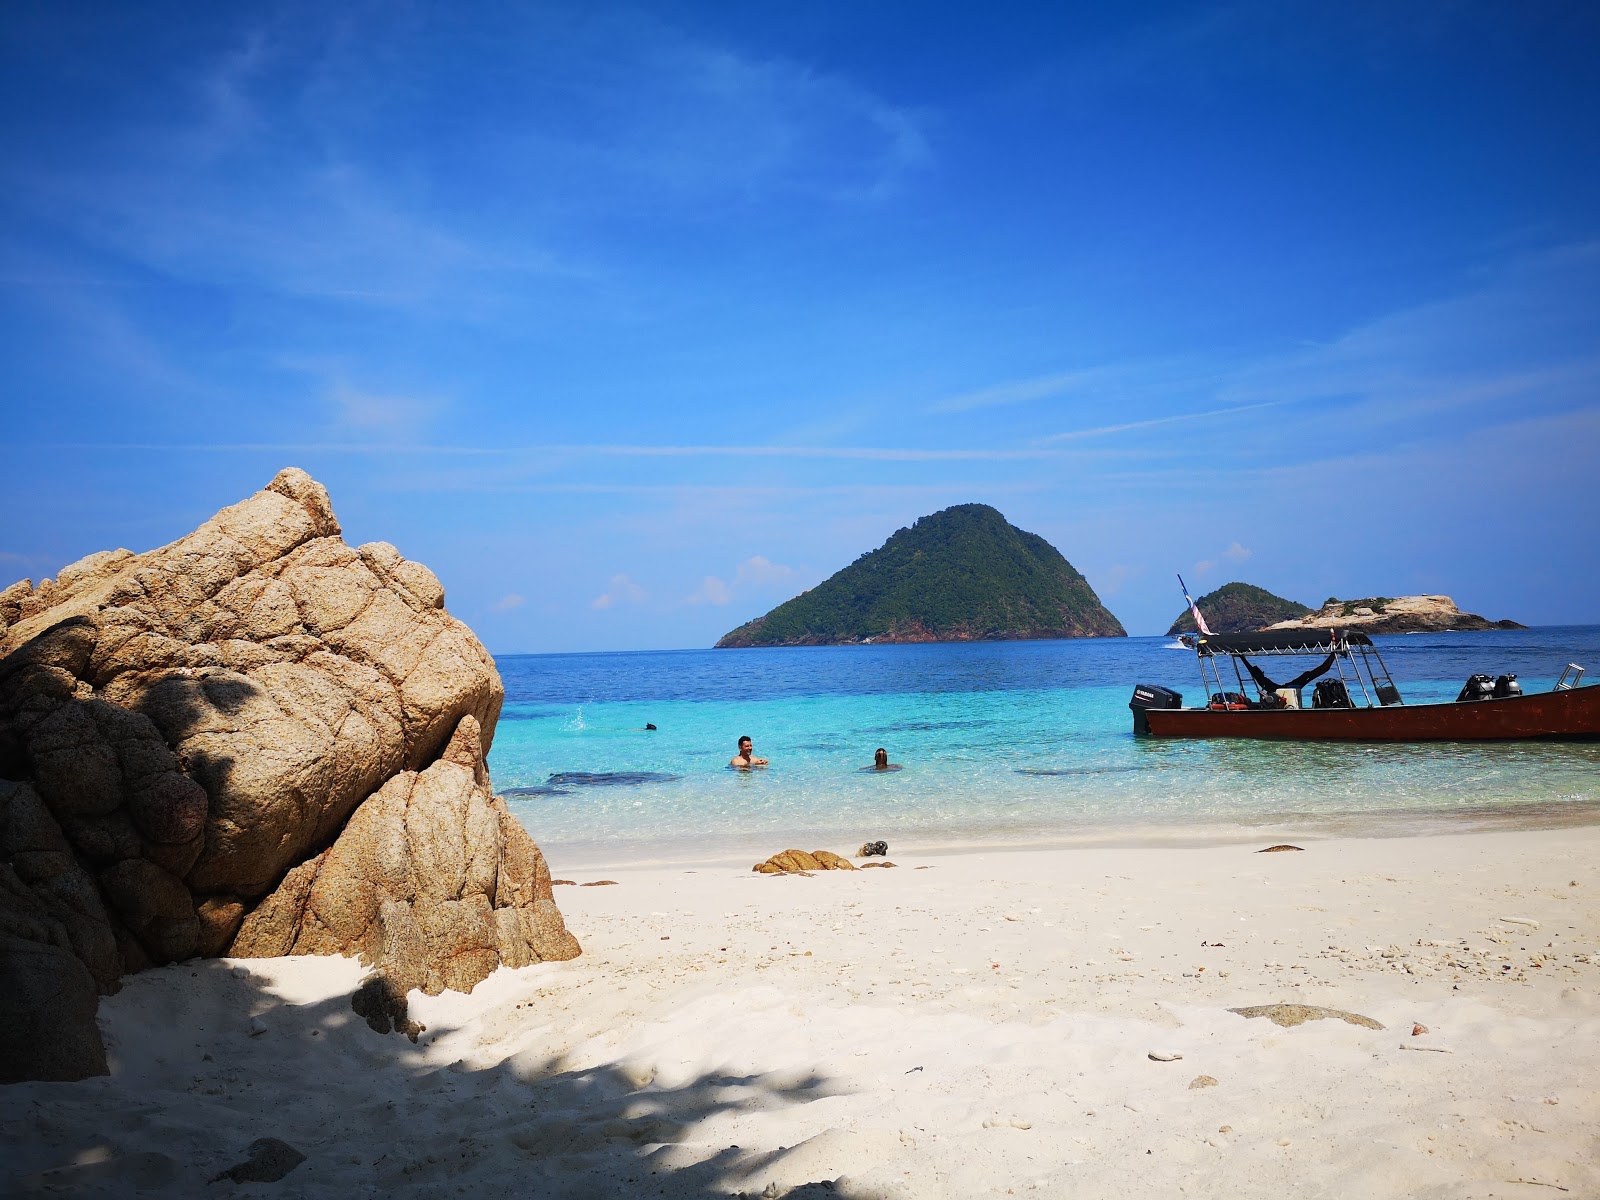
(1200, 622)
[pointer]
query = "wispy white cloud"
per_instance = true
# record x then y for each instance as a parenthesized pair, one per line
(703, 119)
(1173, 419)
(756, 573)
(1019, 391)
(367, 405)
(274, 164)
(622, 590)
(1234, 554)
(760, 571)
(506, 603)
(1114, 578)
(369, 410)
(712, 590)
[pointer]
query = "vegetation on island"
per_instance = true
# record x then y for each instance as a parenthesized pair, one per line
(1239, 608)
(962, 574)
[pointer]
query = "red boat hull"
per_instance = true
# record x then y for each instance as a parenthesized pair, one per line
(1569, 715)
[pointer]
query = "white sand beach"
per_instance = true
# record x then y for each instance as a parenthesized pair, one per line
(1053, 1022)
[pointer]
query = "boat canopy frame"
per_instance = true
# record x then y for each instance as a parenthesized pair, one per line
(1356, 660)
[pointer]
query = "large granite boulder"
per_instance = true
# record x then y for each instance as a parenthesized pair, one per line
(188, 731)
(432, 882)
(57, 952)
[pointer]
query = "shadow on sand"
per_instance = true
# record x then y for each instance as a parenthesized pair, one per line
(203, 1069)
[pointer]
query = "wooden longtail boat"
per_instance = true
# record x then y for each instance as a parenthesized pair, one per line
(1357, 701)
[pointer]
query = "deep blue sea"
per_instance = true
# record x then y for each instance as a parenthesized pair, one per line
(1002, 743)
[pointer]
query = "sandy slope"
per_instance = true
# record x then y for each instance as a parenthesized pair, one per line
(983, 1026)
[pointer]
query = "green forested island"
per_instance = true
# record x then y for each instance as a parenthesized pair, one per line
(961, 574)
(1239, 608)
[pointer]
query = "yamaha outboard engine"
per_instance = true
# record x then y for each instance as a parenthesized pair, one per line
(1506, 685)
(1151, 695)
(1479, 687)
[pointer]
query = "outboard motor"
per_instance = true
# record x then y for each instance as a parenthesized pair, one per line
(1330, 693)
(1151, 695)
(1506, 685)
(1478, 687)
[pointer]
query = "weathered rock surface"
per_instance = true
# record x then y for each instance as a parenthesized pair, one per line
(185, 735)
(432, 881)
(1287, 1016)
(798, 862)
(1395, 614)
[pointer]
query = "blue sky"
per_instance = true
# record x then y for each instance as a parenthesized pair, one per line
(632, 322)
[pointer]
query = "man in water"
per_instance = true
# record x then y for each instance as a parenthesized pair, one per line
(880, 761)
(746, 757)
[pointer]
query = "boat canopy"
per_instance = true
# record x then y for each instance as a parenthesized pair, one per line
(1279, 641)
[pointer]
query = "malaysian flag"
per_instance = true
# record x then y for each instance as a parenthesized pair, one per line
(1200, 622)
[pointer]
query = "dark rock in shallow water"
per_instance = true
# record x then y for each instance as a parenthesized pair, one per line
(609, 778)
(562, 783)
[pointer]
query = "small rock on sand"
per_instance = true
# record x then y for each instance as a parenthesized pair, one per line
(600, 883)
(1279, 849)
(385, 1006)
(1164, 1056)
(270, 1160)
(1202, 1081)
(885, 863)
(798, 862)
(562, 883)
(1289, 1015)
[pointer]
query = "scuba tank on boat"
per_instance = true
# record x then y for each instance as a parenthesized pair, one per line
(1478, 687)
(1506, 685)
(1330, 693)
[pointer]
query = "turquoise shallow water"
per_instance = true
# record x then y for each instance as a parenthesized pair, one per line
(1002, 743)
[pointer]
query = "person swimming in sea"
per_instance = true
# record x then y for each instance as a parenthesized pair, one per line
(880, 761)
(746, 758)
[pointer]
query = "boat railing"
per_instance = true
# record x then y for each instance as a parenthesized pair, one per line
(1367, 676)
(1575, 671)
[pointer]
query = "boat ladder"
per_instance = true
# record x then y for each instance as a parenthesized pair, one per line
(1573, 669)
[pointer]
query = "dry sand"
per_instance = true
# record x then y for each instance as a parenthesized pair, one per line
(995, 1024)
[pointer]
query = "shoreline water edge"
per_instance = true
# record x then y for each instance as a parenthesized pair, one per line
(1003, 744)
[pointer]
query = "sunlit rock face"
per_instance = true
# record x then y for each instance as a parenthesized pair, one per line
(188, 729)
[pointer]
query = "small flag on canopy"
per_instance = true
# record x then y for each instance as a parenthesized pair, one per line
(1200, 622)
